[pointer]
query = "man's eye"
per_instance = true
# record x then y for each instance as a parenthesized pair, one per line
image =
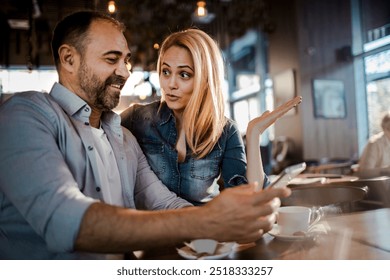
(112, 60)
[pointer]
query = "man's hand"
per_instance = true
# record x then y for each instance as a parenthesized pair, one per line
(241, 214)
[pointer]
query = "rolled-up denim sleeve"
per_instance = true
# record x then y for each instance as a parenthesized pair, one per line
(234, 163)
(234, 158)
(35, 178)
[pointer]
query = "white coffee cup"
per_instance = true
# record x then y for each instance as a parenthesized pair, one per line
(204, 246)
(295, 219)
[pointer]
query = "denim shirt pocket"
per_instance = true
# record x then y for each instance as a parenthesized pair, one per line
(154, 151)
(207, 167)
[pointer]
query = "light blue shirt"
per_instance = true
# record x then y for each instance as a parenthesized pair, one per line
(47, 160)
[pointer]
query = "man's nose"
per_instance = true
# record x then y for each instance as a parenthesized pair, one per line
(123, 70)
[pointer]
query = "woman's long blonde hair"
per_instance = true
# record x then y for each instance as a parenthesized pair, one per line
(204, 115)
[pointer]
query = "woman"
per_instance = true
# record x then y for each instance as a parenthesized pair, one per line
(186, 138)
(375, 160)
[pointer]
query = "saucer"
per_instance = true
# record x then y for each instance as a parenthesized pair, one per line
(222, 251)
(275, 233)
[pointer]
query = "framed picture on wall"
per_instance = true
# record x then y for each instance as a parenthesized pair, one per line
(284, 88)
(329, 99)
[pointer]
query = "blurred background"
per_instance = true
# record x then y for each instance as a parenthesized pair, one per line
(335, 53)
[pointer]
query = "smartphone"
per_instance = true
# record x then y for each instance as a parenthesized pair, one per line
(287, 175)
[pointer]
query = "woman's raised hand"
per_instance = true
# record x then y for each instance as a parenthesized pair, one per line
(256, 127)
(260, 124)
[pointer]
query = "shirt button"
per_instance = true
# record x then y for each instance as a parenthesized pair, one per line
(90, 148)
(98, 189)
(86, 109)
(86, 123)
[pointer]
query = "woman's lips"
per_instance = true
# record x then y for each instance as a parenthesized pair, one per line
(172, 97)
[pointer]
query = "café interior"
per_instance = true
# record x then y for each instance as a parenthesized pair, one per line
(335, 54)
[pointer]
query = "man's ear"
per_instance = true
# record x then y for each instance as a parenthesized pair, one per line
(67, 55)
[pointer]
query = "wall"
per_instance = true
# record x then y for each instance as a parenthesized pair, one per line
(283, 55)
(308, 36)
(16, 51)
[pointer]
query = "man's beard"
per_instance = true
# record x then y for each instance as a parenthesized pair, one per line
(99, 93)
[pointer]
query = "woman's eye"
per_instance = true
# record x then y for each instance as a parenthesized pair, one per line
(165, 72)
(185, 75)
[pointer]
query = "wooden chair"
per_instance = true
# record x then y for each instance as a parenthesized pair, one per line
(340, 168)
(334, 165)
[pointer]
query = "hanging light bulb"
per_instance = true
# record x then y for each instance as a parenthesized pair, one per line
(201, 10)
(111, 7)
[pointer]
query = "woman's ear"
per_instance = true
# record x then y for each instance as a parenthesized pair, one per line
(67, 56)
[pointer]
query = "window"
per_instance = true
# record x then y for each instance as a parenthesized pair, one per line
(377, 68)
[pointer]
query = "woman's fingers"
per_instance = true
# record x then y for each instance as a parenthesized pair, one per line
(284, 108)
(268, 118)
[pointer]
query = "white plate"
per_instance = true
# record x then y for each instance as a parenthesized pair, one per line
(222, 251)
(275, 233)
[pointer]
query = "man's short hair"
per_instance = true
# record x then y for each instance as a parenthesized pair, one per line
(73, 30)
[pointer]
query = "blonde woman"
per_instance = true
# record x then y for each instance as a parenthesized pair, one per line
(187, 139)
(375, 160)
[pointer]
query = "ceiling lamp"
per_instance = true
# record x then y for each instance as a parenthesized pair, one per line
(201, 10)
(201, 14)
(111, 7)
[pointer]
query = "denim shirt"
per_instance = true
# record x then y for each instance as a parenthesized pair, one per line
(194, 179)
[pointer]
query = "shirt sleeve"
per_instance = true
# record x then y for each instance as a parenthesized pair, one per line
(234, 162)
(369, 157)
(34, 176)
(234, 158)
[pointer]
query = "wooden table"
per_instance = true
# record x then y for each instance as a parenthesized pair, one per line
(369, 227)
(361, 235)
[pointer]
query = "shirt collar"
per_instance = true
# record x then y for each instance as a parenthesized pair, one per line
(70, 102)
(165, 113)
(76, 107)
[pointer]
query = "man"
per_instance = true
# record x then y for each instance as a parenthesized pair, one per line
(71, 177)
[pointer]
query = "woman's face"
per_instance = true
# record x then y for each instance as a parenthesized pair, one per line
(385, 124)
(177, 78)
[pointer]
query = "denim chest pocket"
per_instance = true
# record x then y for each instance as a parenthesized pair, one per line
(208, 167)
(154, 152)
